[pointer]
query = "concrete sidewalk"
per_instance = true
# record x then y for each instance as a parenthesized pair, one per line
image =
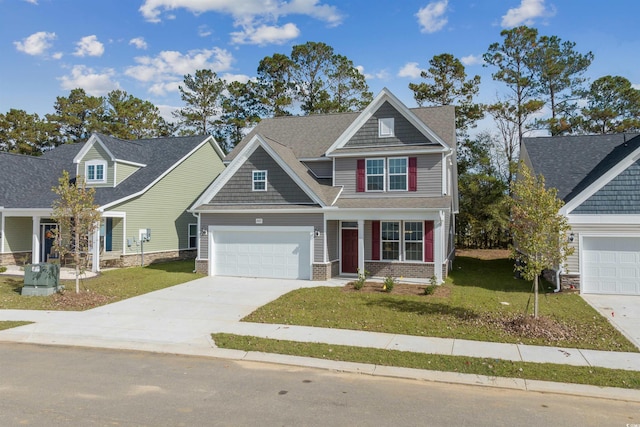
(180, 320)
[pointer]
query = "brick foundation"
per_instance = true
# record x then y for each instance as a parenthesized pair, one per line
(202, 266)
(16, 258)
(570, 282)
(401, 269)
(321, 271)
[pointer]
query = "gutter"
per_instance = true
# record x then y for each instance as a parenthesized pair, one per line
(558, 271)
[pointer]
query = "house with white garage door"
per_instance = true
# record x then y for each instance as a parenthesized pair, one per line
(598, 177)
(312, 197)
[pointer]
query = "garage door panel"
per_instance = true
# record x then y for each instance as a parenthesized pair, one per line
(259, 253)
(611, 265)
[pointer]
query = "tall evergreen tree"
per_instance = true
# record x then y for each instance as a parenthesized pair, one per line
(77, 116)
(613, 105)
(276, 88)
(514, 58)
(241, 109)
(24, 133)
(448, 85)
(347, 86)
(201, 93)
(559, 70)
(128, 117)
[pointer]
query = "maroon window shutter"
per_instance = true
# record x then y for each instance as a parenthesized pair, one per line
(428, 241)
(360, 176)
(375, 240)
(413, 173)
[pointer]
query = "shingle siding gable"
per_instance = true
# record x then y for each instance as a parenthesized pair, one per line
(620, 196)
(404, 132)
(281, 188)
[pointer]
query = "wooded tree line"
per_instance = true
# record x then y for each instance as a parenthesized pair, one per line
(544, 89)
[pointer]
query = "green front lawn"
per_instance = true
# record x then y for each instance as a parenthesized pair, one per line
(110, 286)
(8, 324)
(601, 377)
(476, 302)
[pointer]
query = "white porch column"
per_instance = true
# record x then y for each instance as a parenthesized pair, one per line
(361, 247)
(35, 240)
(439, 237)
(95, 249)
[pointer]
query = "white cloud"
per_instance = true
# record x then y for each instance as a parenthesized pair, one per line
(204, 31)
(410, 69)
(265, 34)
(244, 9)
(89, 46)
(167, 70)
(525, 13)
(367, 76)
(242, 78)
(57, 55)
(94, 83)
(36, 43)
(471, 60)
(32, 1)
(431, 17)
(139, 42)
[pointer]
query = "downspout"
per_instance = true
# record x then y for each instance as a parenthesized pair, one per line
(558, 272)
(197, 215)
(445, 175)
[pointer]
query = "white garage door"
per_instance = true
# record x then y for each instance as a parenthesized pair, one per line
(611, 265)
(274, 252)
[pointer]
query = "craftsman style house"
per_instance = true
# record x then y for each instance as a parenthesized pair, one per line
(598, 177)
(324, 195)
(141, 185)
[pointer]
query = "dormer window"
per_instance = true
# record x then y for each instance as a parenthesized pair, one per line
(259, 180)
(96, 171)
(385, 127)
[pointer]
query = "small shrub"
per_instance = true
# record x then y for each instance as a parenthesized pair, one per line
(359, 282)
(389, 283)
(428, 290)
(3, 269)
(433, 280)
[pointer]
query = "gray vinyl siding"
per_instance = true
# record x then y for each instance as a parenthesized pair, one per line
(281, 188)
(620, 196)
(268, 219)
(97, 153)
(323, 169)
(429, 178)
(333, 240)
(404, 131)
(17, 234)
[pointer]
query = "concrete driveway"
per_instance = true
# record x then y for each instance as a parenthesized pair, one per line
(623, 311)
(181, 316)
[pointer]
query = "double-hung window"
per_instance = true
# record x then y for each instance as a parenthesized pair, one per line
(390, 239)
(193, 236)
(413, 240)
(95, 171)
(259, 181)
(398, 176)
(375, 174)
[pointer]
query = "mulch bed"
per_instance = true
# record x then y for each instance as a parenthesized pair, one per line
(70, 300)
(398, 289)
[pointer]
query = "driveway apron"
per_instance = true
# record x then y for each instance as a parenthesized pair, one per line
(623, 311)
(182, 315)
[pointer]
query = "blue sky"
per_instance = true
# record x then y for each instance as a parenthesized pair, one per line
(145, 47)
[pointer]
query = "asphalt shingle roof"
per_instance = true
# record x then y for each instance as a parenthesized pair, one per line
(26, 181)
(571, 163)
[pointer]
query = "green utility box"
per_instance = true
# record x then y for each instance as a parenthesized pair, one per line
(41, 279)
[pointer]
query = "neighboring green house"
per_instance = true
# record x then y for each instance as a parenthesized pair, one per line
(142, 184)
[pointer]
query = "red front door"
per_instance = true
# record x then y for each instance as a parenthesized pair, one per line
(349, 251)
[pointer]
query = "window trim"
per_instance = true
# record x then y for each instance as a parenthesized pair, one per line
(190, 236)
(383, 240)
(383, 174)
(95, 164)
(386, 123)
(406, 173)
(255, 181)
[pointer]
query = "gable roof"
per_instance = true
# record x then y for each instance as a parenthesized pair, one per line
(385, 96)
(309, 137)
(323, 195)
(577, 166)
(27, 181)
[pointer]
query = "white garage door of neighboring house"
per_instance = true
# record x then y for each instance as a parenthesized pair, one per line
(273, 252)
(611, 265)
